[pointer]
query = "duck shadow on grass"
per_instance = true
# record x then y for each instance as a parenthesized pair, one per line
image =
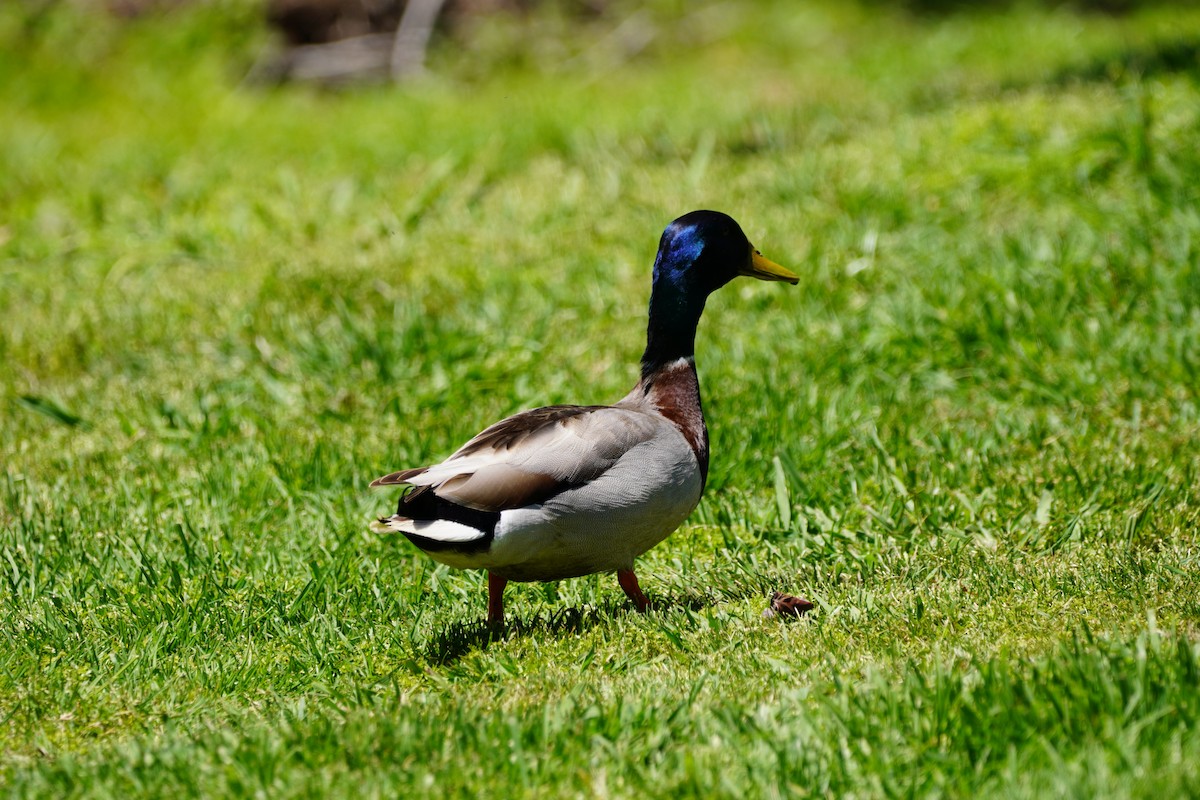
(459, 638)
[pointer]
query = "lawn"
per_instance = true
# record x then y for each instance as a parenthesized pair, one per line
(971, 435)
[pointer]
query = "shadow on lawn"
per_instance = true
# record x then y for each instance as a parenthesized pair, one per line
(459, 638)
(1161, 58)
(1181, 56)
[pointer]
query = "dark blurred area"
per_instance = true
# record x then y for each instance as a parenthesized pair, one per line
(335, 41)
(339, 42)
(321, 21)
(304, 22)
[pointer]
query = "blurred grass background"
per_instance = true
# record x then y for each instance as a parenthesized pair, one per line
(970, 433)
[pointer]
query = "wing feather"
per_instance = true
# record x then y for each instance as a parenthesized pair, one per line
(400, 478)
(531, 456)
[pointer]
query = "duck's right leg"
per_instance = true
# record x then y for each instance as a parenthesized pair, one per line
(629, 583)
(496, 586)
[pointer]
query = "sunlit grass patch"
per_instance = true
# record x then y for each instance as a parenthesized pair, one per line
(969, 435)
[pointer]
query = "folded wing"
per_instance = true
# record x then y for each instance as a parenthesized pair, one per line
(521, 461)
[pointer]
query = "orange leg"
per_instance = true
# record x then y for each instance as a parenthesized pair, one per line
(629, 583)
(496, 586)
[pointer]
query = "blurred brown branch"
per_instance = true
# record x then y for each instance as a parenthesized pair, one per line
(340, 41)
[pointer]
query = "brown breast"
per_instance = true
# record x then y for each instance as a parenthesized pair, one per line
(674, 389)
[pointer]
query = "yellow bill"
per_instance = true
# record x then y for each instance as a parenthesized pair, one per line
(766, 270)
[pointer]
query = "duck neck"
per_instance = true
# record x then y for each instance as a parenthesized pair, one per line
(671, 334)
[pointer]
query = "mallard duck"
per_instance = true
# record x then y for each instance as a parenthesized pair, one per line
(564, 491)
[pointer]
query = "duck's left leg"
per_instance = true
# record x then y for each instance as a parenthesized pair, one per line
(496, 586)
(629, 583)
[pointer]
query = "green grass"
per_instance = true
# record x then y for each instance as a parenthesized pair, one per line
(971, 434)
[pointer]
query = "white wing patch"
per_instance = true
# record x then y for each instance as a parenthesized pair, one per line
(443, 530)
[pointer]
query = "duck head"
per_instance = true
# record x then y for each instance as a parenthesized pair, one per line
(699, 253)
(702, 251)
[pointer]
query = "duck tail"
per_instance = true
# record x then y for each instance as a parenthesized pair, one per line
(393, 524)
